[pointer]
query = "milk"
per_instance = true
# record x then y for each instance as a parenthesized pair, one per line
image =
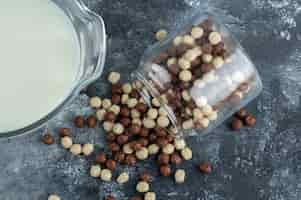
(39, 59)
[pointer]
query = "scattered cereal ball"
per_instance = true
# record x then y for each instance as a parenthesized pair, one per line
(179, 144)
(188, 124)
(207, 110)
(132, 102)
(127, 149)
(114, 77)
(123, 178)
(124, 98)
(95, 171)
(187, 39)
(185, 75)
(163, 121)
(137, 121)
(161, 34)
(184, 64)
(115, 109)
(201, 101)
(106, 175)
(190, 55)
(153, 149)
(177, 40)
(106, 103)
(171, 61)
(149, 123)
(197, 114)
(108, 126)
(215, 38)
(100, 114)
(135, 113)
(207, 58)
(180, 176)
(118, 128)
(156, 102)
(150, 196)
(142, 187)
(88, 149)
(186, 153)
(142, 154)
(76, 149)
(197, 32)
(95, 102)
(186, 96)
(54, 197)
(205, 122)
(162, 111)
(218, 62)
(152, 113)
(127, 88)
(66, 142)
(212, 116)
(168, 149)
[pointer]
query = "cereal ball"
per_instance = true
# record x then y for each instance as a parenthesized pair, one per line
(118, 128)
(114, 77)
(127, 88)
(150, 196)
(197, 32)
(197, 114)
(215, 38)
(54, 197)
(142, 187)
(201, 101)
(156, 102)
(179, 144)
(123, 178)
(127, 149)
(183, 63)
(199, 83)
(149, 123)
(132, 102)
(189, 40)
(152, 113)
(88, 149)
(95, 102)
(207, 110)
(106, 175)
(171, 61)
(135, 113)
(137, 85)
(168, 149)
(178, 40)
(188, 124)
(180, 176)
(192, 54)
(186, 96)
(137, 121)
(95, 171)
(185, 75)
(205, 122)
(66, 142)
(106, 103)
(207, 58)
(115, 109)
(161, 34)
(218, 62)
(212, 116)
(100, 114)
(162, 111)
(124, 98)
(163, 121)
(108, 126)
(153, 149)
(76, 149)
(186, 153)
(142, 154)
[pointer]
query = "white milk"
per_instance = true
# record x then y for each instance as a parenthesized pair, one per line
(39, 59)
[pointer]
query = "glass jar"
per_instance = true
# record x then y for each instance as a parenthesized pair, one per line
(200, 74)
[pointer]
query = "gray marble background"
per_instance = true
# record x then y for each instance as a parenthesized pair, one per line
(262, 163)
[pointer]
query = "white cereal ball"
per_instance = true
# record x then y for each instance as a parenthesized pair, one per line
(218, 62)
(106, 103)
(135, 113)
(88, 149)
(76, 149)
(180, 176)
(204, 122)
(207, 58)
(153, 149)
(115, 109)
(189, 40)
(213, 116)
(177, 40)
(201, 101)
(197, 50)
(95, 171)
(100, 114)
(163, 121)
(142, 154)
(162, 111)
(186, 153)
(124, 98)
(185, 75)
(171, 61)
(168, 149)
(95, 102)
(186, 96)
(142, 187)
(127, 88)
(149, 123)
(156, 102)
(152, 113)
(108, 126)
(197, 113)
(150, 196)
(207, 110)
(106, 175)
(184, 64)
(54, 197)
(123, 178)
(118, 128)
(215, 38)
(197, 32)
(188, 124)
(161, 34)
(191, 55)
(127, 149)
(66, 142)
(137, 121)
(132, 102)
(114, 77)
(179, 144)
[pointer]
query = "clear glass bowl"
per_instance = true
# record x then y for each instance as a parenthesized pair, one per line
(215, 89)
(90, 29)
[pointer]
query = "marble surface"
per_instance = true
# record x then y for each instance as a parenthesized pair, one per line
(262, 163)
